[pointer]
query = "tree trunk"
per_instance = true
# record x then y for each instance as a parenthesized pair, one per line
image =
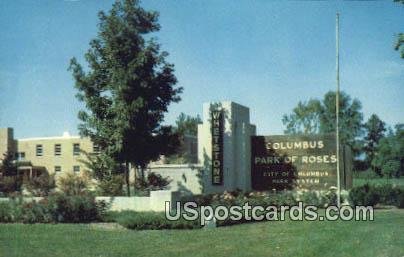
(127, 178)
(142, 173)
(136, 178)
(139, 180)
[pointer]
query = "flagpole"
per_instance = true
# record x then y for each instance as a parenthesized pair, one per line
(337, 112)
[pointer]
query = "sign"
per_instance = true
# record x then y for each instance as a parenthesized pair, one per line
(293, 162)
(217, 147)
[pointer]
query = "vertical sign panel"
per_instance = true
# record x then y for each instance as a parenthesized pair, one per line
(217, 147)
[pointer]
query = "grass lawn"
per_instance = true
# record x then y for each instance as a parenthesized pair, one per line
(382, 237)
(378, 181)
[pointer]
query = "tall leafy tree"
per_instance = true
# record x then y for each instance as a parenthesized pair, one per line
(8, 166)
(304, 119)
(350, 121)
(317, 116)
(400, 38)
(10, 181)
(127, 88)
(400, 44)
(374, 129)
(187, 125)
(101, 166)
(389, 157)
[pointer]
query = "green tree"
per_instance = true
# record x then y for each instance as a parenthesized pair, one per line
(8, 166)
(400, 146)
(350, 122)
(400, 44)
(374, 129)
(127, 88)
(106, 171)
(101, 166)
(10, 181)
(187, 125)
(391, 168)
(305, 118)
(400, 38)
(317, 116)
(390, 151)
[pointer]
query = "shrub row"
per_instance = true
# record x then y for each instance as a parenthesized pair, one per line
(84, 208)
(266, 198)
(370, 195)
(149, 220)
(155, 221)
(53, 209)
(10, 185)
(272, 198)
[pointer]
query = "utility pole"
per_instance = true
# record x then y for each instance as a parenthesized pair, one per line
(337, 112)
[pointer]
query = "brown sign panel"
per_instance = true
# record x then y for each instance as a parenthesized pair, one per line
(293, 162)
(217, 147)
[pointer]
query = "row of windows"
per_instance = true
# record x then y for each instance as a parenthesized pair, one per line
(76, 168)
(58, 150)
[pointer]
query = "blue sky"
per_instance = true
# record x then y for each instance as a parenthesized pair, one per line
(266, 55)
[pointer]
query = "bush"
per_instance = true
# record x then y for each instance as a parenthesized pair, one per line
(152, 182)
(199, 199)
(111, 186)
(240, 198)
(41, 185)
(5, 213)
(371, 195)
(312, 198)
(388, 194)
(364, 195)
(368, 174)
(10, 184)
(75, 208)
(36, 212)
(72, 184)
(15, 210)
(330, 198)
(157, 182)
(55, 208)
(152, 220)
(391, 169)
(400, 199)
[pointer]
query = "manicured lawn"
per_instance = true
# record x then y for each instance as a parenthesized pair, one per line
(378, 181)
(382, 237)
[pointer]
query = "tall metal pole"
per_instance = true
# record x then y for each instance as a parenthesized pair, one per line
(337, 113)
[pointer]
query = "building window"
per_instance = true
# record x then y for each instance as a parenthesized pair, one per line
(20, 156)
(58, 168)
(76, 168)
(58, 149)
(76, 149)
(96, 149)
(39, 150)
